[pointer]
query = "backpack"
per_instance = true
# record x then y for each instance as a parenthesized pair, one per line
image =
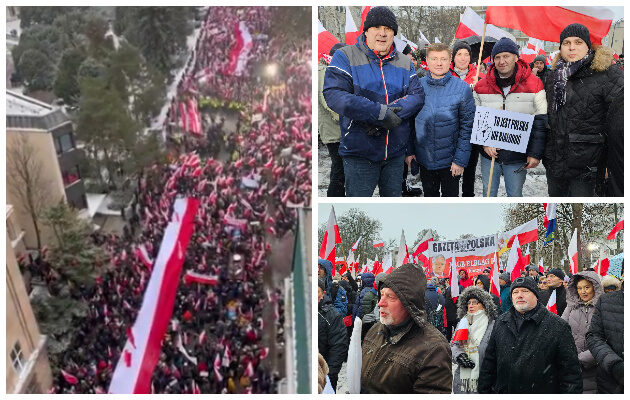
(435, 316)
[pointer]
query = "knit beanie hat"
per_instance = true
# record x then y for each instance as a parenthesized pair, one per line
(457, 46)
(557, 272)
(380, 16)
(504, 45)
(506, 277)
(525, 282)
(540, 57)
(576, 30)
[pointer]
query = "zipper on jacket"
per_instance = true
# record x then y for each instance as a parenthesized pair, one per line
(380, 64)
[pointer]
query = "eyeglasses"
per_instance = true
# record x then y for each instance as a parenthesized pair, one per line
(473, 303)
(434, 59)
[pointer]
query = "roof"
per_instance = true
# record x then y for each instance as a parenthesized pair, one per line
(27, 112)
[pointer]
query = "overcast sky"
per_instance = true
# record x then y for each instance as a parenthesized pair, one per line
(449, 220)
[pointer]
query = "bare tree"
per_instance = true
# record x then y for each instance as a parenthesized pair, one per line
(25, 180)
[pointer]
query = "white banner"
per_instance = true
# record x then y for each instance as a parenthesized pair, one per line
(507, 130)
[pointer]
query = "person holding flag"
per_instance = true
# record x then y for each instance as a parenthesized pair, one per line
(555, 280)
(476, 310)
(585, 109)
(546, 360)
(583, 291)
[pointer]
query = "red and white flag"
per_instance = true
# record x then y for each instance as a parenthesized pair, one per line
(541, 268)
(602, 266)
(196, 277)
(618, 227)
(194, 118)
(454, 281)
(143, 255)
(534, 48)
(355, 245)
(546, 23)
(240, 52)
(471, 24)
(133, 372)
(364, 12)
(573, 253)
(515, 262)
(71, 379)
(351, 30)
(527, 257)
(249, 371)
(325, 41)
(331, 237)
(377, 243)
(461, 331)
(387, 265)
(551, 304)
(495, 286)
(527, 233)
(419, 253)
(402, 256)
(227, 356)
(217, 368)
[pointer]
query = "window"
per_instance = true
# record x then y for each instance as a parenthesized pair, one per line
(71, 176)
(64, 143)
(17, 358)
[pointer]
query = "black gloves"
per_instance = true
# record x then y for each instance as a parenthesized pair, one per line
(391, 120)
(464, 361)
(373, 130)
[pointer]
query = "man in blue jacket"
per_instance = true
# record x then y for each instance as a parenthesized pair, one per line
(441, 143)
(375, 91)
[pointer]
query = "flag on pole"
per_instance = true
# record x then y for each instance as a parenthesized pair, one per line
(495, 286)
(402, 257)
(364, 12)
(602, 266)
(461, 331)
(541, 268)
(471, 24)
(331, 237)
(377, 243)
(527, 233)
(388, 267)
(546, 23)
(454, 281)
(355, 245)
(549, 221)
(534, 48)
(551, 304)
(196, 277)
(573, 253)
(419, 253)
(527, 258)
(351, 30)
(618, 227)
(515, 263)
(424, 39)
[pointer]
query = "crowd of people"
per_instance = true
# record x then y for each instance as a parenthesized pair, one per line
(416, 338)
(245, 202)
(383, 116)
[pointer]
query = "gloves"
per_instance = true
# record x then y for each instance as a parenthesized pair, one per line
(372, 130)
(464, 361)
(391, 120)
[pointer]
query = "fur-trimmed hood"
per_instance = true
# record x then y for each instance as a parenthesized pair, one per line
(573, 299)
(601, 61)
(479, 294)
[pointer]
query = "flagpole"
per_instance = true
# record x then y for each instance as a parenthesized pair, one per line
(345, 258)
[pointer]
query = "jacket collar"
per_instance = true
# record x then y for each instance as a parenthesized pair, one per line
(522, 72)
(398, 336)
(438, 82)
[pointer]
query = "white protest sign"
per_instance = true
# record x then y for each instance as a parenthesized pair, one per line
(507, 130)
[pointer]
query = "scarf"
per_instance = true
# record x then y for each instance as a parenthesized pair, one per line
(477, 325)
(506, 82)
(562, 73)
(461, 73)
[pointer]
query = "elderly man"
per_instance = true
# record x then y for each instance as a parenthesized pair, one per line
(531, 350)
(510, 85)
(375, 91)
(403, 353)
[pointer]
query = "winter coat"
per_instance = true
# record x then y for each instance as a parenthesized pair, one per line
(340, 301)
(541, 357)
(462, 309)
(472, 72)
(327, 119)
(350, 296)
(451, 306)
(561, 298)
(362, 307)
(417, 359)
(543, 74)
(332, 341)
(506, 298)
(605, 341)
(579, 315)
(485, 280)
(527, 96)
(466, 282)
(359, 86)
(443, 126)
(593, 113)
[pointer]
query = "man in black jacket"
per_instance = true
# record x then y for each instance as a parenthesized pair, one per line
(585, 110)
(331, 334)
(555, 281)
(531, 350)
(605, 341)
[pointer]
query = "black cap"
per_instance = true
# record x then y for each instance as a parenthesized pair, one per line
(576, 30)
(380, 16)
(457, 46)
(557, 272)
(525, 282)
(504, 45)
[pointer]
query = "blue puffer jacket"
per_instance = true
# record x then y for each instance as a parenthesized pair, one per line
(340, 302)
(367, 280)
(444, 125)
(358, 85)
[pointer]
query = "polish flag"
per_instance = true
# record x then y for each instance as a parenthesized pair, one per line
(194, 117)
(364, 12)
(377, 268)
(534, 47)
(331, 237)
(527, 233)
(355, 245)
(419, 253)
(495, 286)
(541, 268)
(387, 266)
(377, 243)
(240, 52)
(424, 39)
(461, 331)
(515, 262)
(402, 257)
(602, 266)
(249, 371)
(183, 114)
(551, 304)
(573, 253)
(471, 24)
(227, 356)
(546, 23)
(351, 29)
(348, 264)
(133, 373)
(196, 277)
(325, 41)
(217, 368)
(454, 282)
(613, 234)
(527, 259)
(71, 379)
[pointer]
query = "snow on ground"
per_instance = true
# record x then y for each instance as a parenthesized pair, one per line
(535, 184)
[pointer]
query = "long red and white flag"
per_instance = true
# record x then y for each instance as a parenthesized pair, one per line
(551, 304)
(402, 257)
(527, 258)
(240, 51)
(618, 227)
(573, 253)
(351, 30)
(471, 24)
(454, 280)
(546, 23)
(355, 245)
(196, 277)
(331, 238)
(527, 233)
(495, 286)
(418, 254)
(515, 262)
(142, 350)
(541, 268)
(461, 331)
(325, 41)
